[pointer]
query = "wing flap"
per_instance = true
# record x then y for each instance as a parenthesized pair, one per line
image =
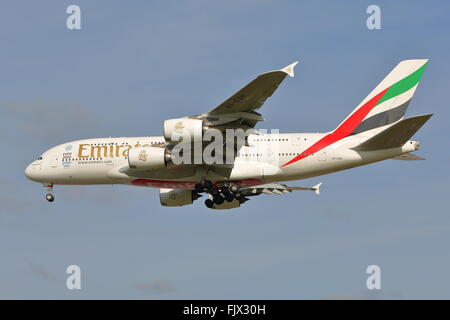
(277, 188)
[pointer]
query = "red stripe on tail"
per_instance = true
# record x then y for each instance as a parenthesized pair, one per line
(343, 130)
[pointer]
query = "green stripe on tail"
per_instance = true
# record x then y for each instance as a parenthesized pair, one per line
(403, 85)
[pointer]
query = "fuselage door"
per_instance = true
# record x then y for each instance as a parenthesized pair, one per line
(296, 140)
(54, 158)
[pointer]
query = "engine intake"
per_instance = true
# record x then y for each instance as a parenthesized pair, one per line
(147, 158)
(177, 197)
(175, 129)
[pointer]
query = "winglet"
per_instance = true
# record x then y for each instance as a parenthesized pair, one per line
(316, 188)
(289, 70)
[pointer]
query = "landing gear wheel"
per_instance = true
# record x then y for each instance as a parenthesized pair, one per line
(218, 200)
(209, 203)
(234, 188)
(50, 197)
(229, 197)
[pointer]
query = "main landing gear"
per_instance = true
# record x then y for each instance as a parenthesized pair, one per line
(49, 196)
(219, 193)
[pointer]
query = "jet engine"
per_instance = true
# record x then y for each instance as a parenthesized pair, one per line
(147, 158)
(227, 205)
(175, 129)
(177, 197)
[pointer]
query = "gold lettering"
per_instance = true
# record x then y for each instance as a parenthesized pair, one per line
(111, 151)
(117, 150)
(99, 150)
(82, 148)
(125, 152)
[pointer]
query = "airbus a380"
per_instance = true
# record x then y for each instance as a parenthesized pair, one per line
(375, 130)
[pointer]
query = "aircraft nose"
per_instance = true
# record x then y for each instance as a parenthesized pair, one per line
(31, 171)
(28, 172)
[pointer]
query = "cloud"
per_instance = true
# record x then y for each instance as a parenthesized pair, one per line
(156, 286)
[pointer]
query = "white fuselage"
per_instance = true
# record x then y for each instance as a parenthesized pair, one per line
(104, 161)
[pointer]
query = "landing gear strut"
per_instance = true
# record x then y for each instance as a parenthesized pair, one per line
(49, 196)
(204, 186)
(219, 194)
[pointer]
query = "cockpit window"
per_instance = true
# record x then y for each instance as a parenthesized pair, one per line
(40, 158)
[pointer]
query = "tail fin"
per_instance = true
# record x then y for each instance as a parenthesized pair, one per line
(388, 102)
(394, 136)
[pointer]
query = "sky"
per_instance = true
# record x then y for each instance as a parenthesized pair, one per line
(131, 67)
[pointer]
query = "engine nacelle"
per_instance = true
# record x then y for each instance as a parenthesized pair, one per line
(175, 129)
(227, 205)
(147, 158)
(176, 197)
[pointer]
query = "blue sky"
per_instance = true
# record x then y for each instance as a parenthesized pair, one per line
(130, 68)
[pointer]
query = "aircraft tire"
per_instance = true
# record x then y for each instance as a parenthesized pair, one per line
(209, 203)
(218, 199)
(229, 197)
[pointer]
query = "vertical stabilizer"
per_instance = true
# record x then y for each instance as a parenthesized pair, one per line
(387, 103)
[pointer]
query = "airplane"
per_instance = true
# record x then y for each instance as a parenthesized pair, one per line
(375, 130)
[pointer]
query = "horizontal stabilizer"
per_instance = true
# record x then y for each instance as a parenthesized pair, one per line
(408, 157)
(394, 136)
(316, 188)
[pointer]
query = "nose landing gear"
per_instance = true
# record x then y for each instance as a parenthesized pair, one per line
(49, 196)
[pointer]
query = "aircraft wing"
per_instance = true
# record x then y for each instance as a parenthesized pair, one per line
(238, 110)
(276, 188)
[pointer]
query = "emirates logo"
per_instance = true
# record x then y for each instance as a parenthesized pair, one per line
(179, 126)
(142, 156)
